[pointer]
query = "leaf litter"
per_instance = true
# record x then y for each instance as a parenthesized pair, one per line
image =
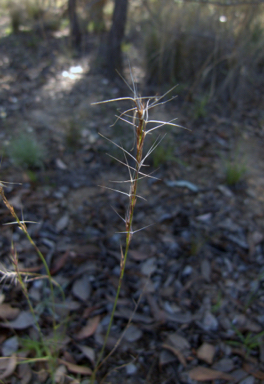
(201, 223)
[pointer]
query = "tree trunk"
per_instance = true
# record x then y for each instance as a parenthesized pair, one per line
(75, 33)
(115, 38)
(97, 15)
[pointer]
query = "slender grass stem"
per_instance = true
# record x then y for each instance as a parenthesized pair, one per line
(22, 226)
(139, 122)
(129, 233)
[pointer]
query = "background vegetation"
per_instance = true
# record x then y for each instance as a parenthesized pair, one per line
(212, 49)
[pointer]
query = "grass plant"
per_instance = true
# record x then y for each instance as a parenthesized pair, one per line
(45, 351)
(234, 172)
(248, 342)
(163, 154)
(137, 117)
(200, 107)
(26, 152)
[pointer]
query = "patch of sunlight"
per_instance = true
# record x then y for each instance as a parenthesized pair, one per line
(223, 19)
(73, 72)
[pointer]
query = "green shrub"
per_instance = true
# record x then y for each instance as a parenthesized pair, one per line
(34, 9)
(26, 152)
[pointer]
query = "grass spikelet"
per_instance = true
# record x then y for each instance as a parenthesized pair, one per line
(142, 125)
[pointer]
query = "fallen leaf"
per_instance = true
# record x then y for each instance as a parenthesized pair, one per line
(206, 353)
(24, 373)
(60, 373)
(205, 217)
(23, 321)
(244, 324)
(89, 328)
(149, 266)
(224, 365)
(68, 357)
(60, 164)
(253, 371)
(16, 202)
(209, 322)
(10, 346)
(82, 288)
(76, 368)
(126, 313)
(178, 342)
(158, 313)
(147, 285)
(7, 312)
(207, 374)
(42, 375)
(60, 262)
(62, 223)
(88, 352)
(166, 357)
(138, 256)
(177, 353)
(9, 367)
(181, 318)
(182, 184)
(239, 374)
(241, 352)
(132, 334)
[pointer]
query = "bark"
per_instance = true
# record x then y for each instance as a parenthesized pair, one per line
(75, 33)
(113, 51)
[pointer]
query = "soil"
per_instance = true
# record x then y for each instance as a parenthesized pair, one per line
(195, 274)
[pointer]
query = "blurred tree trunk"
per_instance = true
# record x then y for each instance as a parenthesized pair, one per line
(97, 15)
(75, 33)
(113, 57)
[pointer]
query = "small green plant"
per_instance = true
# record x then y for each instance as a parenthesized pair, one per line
(200, 107)
(215, 308)
(248, 342)
(163, 155)
(33, 178)
(26, 152)
(234, 172)
(35, 347)
(197, 243)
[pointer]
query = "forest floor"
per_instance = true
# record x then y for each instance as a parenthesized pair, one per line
(196, 274)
